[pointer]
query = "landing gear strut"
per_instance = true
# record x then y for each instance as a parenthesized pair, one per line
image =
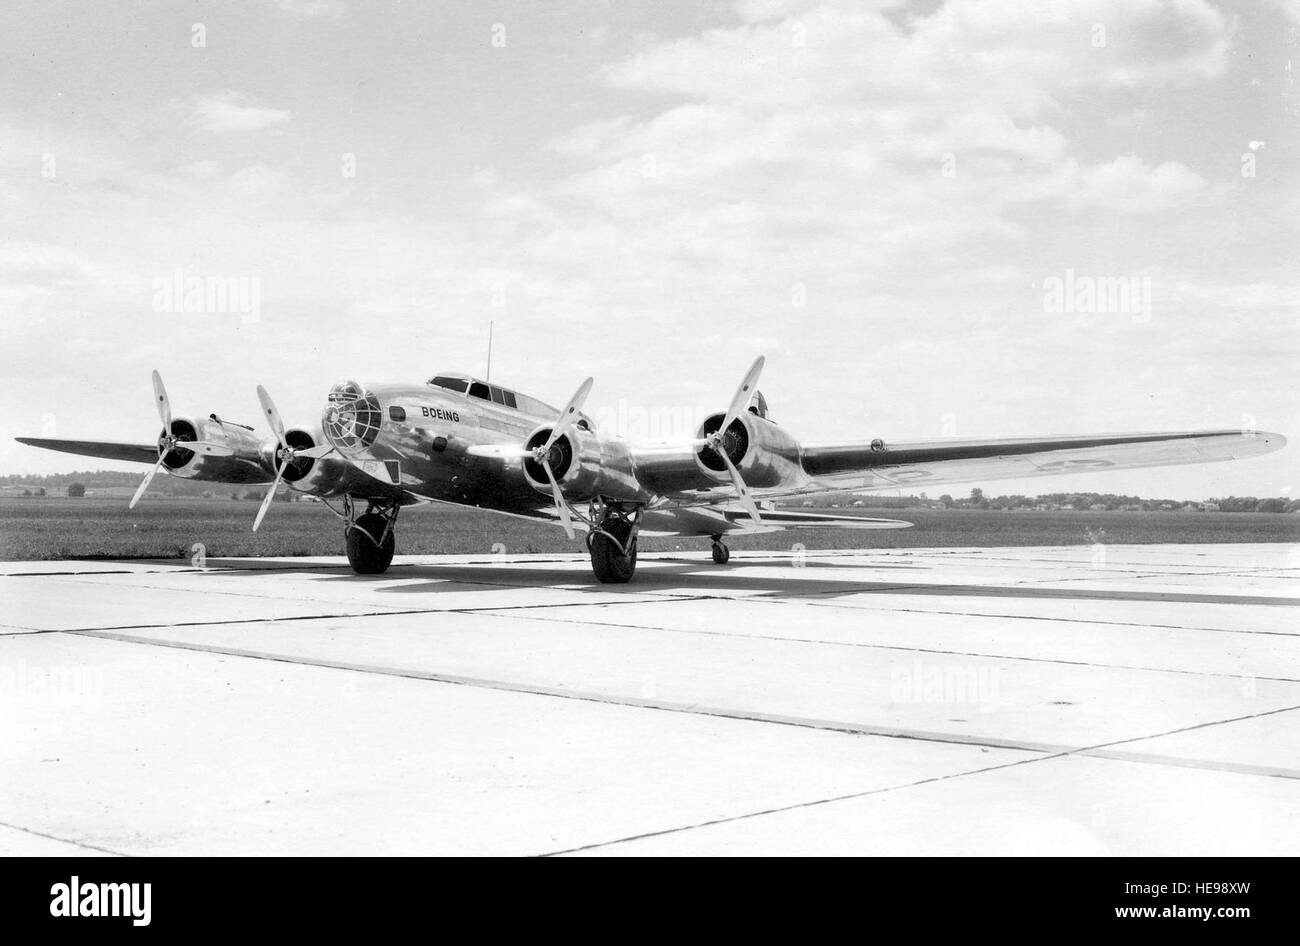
(370, 537)
(612, 541)
(721, 554)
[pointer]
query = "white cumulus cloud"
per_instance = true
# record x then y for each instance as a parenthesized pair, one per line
(231, 111)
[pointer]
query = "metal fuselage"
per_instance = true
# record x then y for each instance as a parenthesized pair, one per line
(422, 446)
(419, 439)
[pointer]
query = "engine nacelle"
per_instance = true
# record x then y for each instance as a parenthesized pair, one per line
(585, 466)
(322, 476)
(766, 456)
(243, 465)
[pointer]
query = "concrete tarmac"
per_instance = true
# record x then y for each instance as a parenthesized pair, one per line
(1125, 700)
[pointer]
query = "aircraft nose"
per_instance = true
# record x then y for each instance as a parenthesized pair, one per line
(351, 419)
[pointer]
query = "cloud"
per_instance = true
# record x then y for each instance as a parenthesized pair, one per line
(314, 9)
(1263, 297)
(204, 170)
(829, 142)
(230, 111)
(1127, 184)
(1018, 52)
(257, 180)
(1288, 8)
(40, 264)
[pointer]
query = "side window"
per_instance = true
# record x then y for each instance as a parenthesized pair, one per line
(498, 397)
(480, 390)
(397, 413)
(510, 399)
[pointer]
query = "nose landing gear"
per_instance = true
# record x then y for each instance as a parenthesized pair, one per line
(370, 538)
(721, 554)
(612, 543)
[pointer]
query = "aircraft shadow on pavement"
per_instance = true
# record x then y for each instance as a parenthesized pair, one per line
(705, 579)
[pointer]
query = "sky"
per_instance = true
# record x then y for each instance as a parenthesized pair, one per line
(888, 200)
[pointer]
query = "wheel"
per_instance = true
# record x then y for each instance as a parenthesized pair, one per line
(609, 563)
(721, 554)
(364, 556)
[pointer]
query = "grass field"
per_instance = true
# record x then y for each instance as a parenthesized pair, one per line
(33, 529)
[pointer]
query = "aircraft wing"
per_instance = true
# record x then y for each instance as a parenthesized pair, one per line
(727, 518)
(861, 466)
(105, 450)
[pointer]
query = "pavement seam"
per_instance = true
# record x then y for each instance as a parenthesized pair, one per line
(727, 635)
(1087, 750)
(55, 837)
(693, 709)
(28, 632)
(1032, 617)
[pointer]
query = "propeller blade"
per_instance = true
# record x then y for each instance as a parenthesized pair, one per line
(270, 495)
(570, 414)
(744, 394)
(565, 519)
(741, 489)
(144, 483)
(509, 450)
(316, 452)
(160, 400)
(272, 415)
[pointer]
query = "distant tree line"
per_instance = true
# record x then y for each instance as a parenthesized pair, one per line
(81, 483)
(87, 481)
(1055, 501)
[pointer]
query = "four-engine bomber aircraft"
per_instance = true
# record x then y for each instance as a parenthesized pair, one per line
(456, 439)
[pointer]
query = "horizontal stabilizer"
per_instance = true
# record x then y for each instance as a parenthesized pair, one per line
(788, 519)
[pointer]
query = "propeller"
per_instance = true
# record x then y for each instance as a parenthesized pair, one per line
(286, 453)
(568, 417)
(541, 454)
(742, 490)
(169, 442)
(744, 394)
(716, 440)
(144, 483)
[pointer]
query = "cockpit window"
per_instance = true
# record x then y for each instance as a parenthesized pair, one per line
(490, 392)
(451, 384)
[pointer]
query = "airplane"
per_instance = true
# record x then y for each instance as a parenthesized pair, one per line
(461, 440)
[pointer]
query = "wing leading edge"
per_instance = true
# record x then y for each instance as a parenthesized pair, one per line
(859, 466)
(105, 450)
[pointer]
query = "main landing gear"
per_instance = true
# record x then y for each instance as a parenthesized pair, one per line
(721, 554)
(369, 537)
(612, 541)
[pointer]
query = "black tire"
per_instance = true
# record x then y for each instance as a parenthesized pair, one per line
(609, 563)
(721, 554)
(364, 556)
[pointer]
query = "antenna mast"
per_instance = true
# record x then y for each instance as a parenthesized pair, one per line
(489, 364)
